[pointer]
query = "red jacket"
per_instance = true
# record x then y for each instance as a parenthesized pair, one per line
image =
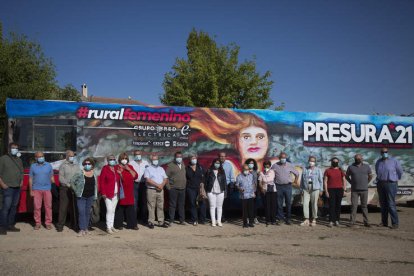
(128, 185)
(107, 181)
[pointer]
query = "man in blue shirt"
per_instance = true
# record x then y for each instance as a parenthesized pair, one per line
(389, 171)
(247, 187)
(40, 184)
(228, 171)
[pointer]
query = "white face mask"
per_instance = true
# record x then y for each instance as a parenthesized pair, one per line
(124, 161)
(155, 162)
(193, 161)
(137, 157)
(14, 151)
(178, 160)
(311, 164)
(246, 172)
(71, 159)
(267, 169)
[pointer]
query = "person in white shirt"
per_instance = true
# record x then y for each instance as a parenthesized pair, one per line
(156, 179)
(140, 189)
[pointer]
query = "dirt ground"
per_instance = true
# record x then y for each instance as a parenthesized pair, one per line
(204, 250)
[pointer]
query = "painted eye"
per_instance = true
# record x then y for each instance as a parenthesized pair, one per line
(246, 137)
(260, 136)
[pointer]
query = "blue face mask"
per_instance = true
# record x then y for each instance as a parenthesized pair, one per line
(71, 159)
(41, 160)
(178, 160)
(87, 167)
(283, 160)
(384, 155)
(216, 165)
(137, 157)
(14, 151)
(251, 166)
(112, 163)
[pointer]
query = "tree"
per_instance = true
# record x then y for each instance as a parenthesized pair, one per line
(26, 73)
(212, 76)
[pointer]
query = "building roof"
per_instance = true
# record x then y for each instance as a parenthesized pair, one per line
(98, 99)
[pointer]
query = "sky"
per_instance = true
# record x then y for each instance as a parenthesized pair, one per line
(325, 56)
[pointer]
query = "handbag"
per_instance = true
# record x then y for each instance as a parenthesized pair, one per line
(202, 193)
(121, 190)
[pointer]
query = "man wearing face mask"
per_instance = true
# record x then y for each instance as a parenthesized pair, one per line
(40, 183)
(334, 187)
(11, 180)
(177, 182)
(283, 173)
(359, 175)
(156, 179)
(66, 171)
(140, 191)
(389, 171)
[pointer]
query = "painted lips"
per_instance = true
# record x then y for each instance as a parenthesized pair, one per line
(253, 149)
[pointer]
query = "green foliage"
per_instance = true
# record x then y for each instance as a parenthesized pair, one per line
(212, 76)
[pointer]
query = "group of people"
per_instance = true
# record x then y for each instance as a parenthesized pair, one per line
(124, 182)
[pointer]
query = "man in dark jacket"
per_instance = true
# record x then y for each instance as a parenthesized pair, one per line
(11, 180)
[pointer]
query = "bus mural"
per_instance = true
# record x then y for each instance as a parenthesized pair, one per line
(99, 129)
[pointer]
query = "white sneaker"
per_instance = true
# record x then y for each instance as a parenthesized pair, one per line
(109, 231)
(313, 223)
(219, 224)
(81, 233)
(305, 223)
(114, 230)
(331, 224)
(256, 221)
(213, 224)
(336, 223)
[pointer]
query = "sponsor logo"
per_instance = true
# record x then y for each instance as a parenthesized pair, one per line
(332, 134)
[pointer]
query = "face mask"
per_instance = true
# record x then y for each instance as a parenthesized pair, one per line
(311, 164)
(137, 157)
(334, 164)
(246, 172)
(283, 160)
(267, 169)
(251, 166)
(384, 155)
(112, 163)
(216, 165)
(71, 159)
(124, 161)
(193, 161)
(40, 160)
(358, 161)
(18, 154)
(155, 162)
(87, 167)
(14, 151)
(178, 160)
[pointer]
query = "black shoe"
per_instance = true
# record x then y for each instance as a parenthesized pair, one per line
(181, 223)
(382, 225)
(59, 229)
(121, 228)
(165, 225)
(3, 231)
(150, 225)
(245, 225)
(251, 225)
(288, 222)
(367, 225)
(13, 229)
(394, 226)
(202, 222)
(273, 223)
(277, 223)
(135, 228)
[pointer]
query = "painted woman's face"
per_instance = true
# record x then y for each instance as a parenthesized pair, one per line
(253, 143)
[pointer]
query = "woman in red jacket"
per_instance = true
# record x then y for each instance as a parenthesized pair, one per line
(126, 201)
(109, 181)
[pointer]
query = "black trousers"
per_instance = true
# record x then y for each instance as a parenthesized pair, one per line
(142, 203)
(271, 206)
(248, 210)
(67, 204)
(192, 194)
(335, 199)
(128, 211)
(177, 201)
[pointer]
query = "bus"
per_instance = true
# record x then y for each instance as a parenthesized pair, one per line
(93, 129)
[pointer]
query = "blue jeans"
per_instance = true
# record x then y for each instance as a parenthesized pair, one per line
(8, 212)
(84, 210)
(284, 193)
(386, 193)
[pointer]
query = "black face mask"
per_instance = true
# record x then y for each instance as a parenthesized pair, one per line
(358, 161)
(334, 164)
